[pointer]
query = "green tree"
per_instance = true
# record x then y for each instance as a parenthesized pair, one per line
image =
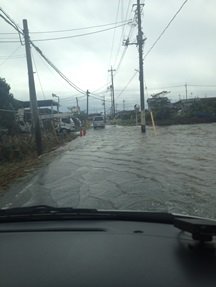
(7, 106)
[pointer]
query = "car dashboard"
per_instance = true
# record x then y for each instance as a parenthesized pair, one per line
(102, 253)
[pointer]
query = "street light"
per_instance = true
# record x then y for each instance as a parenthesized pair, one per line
(55, 96)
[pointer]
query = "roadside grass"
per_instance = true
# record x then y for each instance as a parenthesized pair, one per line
(18, 155)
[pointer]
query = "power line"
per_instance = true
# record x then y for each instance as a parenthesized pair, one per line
(67, 37)
(95, 97)
(128, 83)
(57, 70)
(123, 29)
(79, 35)
(164, 30)
(183, 85)
(8, 33)
(11, 54)
(78, 29)
(167, 87)
(67, 30)
(9, 41)
(204, 86)
(69, 97)
(42, 90)
(11, 22)
(156, 41)
(123, 53)
(98, 98)
(8, 38)
(113, 38)
(7, 18)
(12, 57)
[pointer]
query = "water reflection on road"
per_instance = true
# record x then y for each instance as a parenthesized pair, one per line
(120, 168)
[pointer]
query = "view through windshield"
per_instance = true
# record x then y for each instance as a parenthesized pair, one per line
(108, 105)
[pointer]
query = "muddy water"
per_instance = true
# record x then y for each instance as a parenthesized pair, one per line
(120, 168)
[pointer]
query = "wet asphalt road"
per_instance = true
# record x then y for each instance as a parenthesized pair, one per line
(120, 168)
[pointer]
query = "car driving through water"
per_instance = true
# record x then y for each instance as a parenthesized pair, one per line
(98, 122)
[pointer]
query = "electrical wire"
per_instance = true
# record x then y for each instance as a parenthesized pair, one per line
(164, 30)
(8, 33)
(183, 85)
(122, 34)
(122, 56)
(13, 24)
(128, 83)
(118, 65)
(76, 96)
(156, 41)
(68, 30)
(167, 87)
(113, 38)
(79, 35)
(57, 70)
(12, 57)
(78, 29)
(204, 86)
(96, 97)
(11, 54)
(124, 52)
(42, 90)
(67, 37)
(7, 39)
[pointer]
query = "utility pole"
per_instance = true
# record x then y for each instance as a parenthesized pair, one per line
(77, 103)
(104, 104)
(140, 42)
(186, 91)
(136, 108)
(32, 92)
(111, 108)
(87, 104)
(78, 107)
(113, 94)
(55, 96)
(123, 105)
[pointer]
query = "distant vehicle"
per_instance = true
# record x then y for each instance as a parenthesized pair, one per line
(98, 122)
(66, 125)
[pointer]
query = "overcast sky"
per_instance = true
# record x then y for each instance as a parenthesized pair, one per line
(185, 53)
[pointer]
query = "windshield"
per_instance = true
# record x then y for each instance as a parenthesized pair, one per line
(144, 68)
(98, 119)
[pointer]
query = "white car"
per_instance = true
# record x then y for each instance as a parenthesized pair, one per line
(66, 125)
(98, 122)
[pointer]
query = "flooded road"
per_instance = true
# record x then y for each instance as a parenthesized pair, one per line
(120, 168)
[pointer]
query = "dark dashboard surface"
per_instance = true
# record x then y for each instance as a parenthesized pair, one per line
(102, 253)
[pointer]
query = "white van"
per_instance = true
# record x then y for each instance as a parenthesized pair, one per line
(98, 122)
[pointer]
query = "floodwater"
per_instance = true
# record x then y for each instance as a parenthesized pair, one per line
(121, 168)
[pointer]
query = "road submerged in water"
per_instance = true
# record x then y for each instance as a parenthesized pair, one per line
(120, 168)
